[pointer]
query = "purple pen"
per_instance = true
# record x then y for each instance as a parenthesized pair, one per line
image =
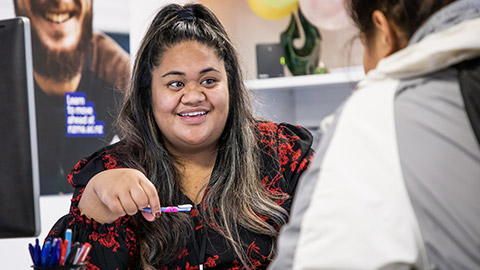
(169, 209)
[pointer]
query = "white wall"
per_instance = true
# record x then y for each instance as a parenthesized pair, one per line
(6, 9)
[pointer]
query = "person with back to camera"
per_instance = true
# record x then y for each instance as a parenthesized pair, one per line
(70, 58)
(395, 181)
(189, 137)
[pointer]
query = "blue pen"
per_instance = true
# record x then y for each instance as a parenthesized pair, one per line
(38, 256)
(53, 253)
(32, 254)
(59, 251)
(49, 250)
(179, 208)
(68, 236)
(48, 246)
(45, 252)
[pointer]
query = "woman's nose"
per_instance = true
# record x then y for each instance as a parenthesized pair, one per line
(193, 94)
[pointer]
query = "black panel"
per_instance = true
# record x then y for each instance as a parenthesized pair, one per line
(18, 197)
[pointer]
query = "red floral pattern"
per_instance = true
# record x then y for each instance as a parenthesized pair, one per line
(286, 152)
(75, 170)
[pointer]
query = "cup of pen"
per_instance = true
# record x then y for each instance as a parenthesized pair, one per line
(59, 254)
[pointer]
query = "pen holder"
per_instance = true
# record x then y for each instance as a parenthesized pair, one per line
(62, 267)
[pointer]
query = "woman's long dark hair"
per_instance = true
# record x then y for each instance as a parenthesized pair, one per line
(236, 188)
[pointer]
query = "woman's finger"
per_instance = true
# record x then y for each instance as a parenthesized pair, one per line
(115, 206)
(152, 195)
(128, 203)
(139, 196)
(148, 216)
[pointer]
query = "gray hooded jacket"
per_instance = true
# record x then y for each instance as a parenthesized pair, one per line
(396, 180)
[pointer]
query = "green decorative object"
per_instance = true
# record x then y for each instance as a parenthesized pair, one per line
(305, 60)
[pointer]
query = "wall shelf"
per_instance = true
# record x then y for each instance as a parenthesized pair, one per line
(303, 100)
(336, 76)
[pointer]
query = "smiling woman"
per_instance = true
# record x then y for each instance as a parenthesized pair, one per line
(189, 137)
(190, 98)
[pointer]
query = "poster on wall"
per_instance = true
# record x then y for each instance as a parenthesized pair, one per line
(79, 78)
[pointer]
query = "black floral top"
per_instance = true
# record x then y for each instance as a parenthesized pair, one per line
(286, 150)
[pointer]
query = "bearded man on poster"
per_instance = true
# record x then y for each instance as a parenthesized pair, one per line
(79, 76)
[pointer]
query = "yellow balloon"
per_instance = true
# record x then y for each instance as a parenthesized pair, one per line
(279, 3)
(271, 13)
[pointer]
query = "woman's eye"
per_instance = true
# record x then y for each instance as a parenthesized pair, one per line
(208, 82)
(176, 84)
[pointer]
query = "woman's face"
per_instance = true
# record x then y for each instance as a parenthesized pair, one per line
(190, 97)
